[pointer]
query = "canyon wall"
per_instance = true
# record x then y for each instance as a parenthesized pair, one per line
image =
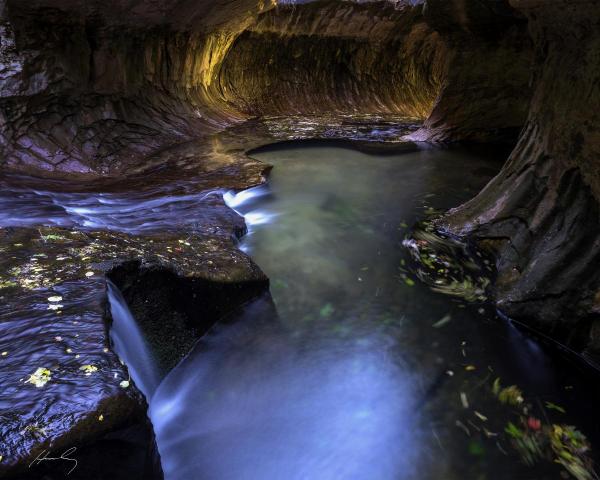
(92, 89)
(95, 88)
(540, 214)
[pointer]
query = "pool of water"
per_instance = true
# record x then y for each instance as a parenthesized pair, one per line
(352, 368)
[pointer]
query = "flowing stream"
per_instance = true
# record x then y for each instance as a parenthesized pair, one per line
(352, 370)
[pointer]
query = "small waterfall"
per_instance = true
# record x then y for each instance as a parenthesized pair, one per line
(130, 345)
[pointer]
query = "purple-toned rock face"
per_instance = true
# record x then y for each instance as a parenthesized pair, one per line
(110, 85)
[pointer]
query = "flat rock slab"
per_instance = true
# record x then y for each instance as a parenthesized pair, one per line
(62, 384)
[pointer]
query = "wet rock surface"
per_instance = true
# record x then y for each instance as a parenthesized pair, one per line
(103, 93)
(61, 383)
(486, 89)
(63, 386)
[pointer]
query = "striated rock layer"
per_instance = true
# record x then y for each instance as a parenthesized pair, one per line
(540, 214)
(92, 88)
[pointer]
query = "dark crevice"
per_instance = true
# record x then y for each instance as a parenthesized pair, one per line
(174, 311)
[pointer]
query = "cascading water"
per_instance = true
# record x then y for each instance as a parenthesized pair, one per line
(130, 345)
(359, 372)
(172, 207)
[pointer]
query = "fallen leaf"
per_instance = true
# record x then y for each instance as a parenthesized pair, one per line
(443, 321)
(534, 423)
(327, 310)
(88, 369)
(554, 406)
(480, 416)
(40, 377)
(496, 386)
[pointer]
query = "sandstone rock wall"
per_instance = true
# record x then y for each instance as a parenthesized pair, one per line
(541, 212)
(95, 88)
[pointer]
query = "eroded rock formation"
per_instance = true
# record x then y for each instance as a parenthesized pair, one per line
(541, 212)
(96, 89)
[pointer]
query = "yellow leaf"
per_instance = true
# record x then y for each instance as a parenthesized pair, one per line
(40, 377)
(88, 369)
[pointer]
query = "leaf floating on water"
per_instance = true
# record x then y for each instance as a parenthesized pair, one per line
(124, 384)
(570, 447)
(89, 274)
(535, 441)
(55, 298)
(476, 448)
(40, 377)
(88, 369)
(463, 427)
(496, 386)
(554, 406)
(327, 310)
(480, 416)
(470, 368)
(534, 423)
(513, 430)
(511, 395)
(464, 400)
(101, 418)
(277, 283)
(410, 282)
(443, 321)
